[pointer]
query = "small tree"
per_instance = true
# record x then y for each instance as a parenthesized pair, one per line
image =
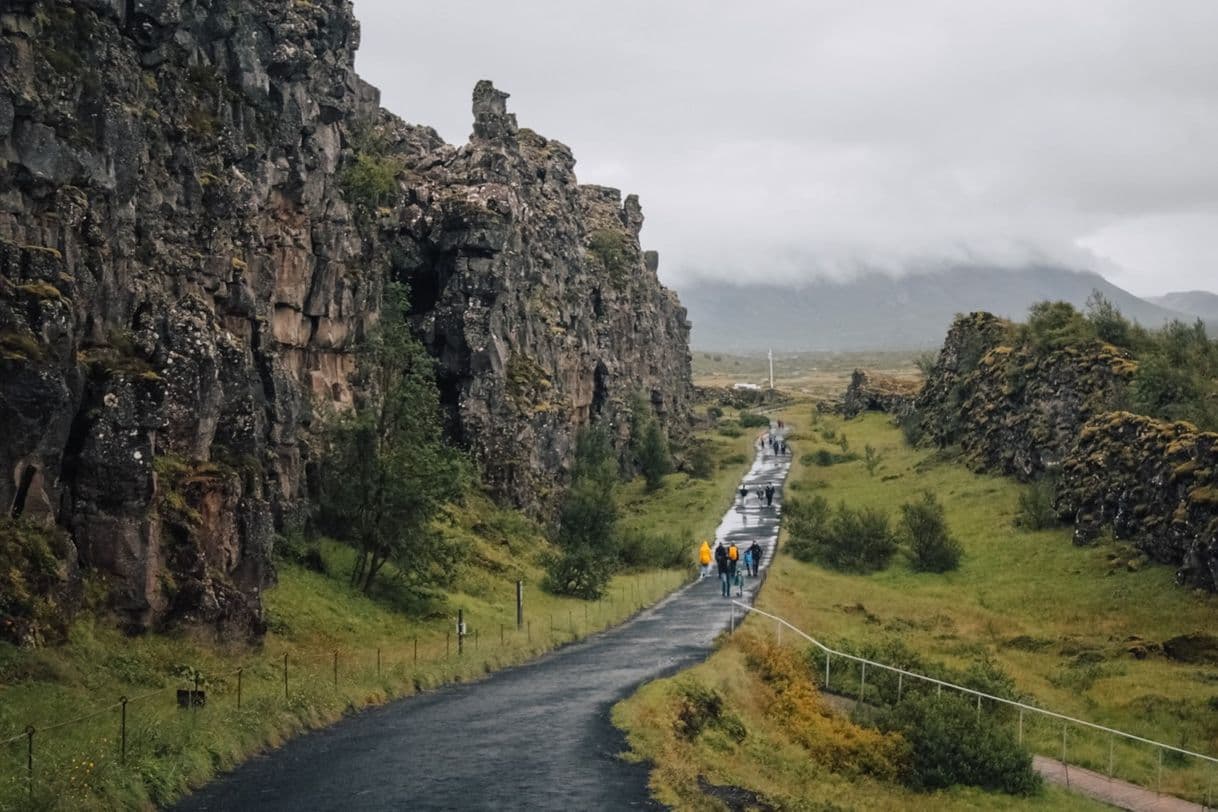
(843, 443)
(931, 547)
(587, 521)
(701, 461)
(872, 459)
(386, 469)
(654, 459)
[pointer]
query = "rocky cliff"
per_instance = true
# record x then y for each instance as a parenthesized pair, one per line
(1030, 412)
(199, 204)
(874, 392)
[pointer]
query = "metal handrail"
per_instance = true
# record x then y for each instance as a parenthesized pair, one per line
(979, 694)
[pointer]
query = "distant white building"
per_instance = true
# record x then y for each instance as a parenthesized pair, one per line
(745, 386)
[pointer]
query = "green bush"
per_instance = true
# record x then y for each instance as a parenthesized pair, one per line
(750, 421)
(1056, 325)
(582, 572)
(729, 429)
(701, 461)
(611, 249)
(931, 547)
(844, 539)
(654, 550)
(34, 566)
(1034, 510)
(824, 458)
(734, 459)
(371, 180)
(950, 745)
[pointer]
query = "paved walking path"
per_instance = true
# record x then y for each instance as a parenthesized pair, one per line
(1120, 794)
(533, 737)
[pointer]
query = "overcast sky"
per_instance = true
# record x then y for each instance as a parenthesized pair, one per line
(789, 138)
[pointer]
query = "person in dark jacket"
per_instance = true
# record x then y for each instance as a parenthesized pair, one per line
(755, 554)
(722, 562)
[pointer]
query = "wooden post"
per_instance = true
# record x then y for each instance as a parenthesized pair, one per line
(122, 730)
(460, 632)
(239, 673)
(519, 604)
(29, 759)
(336, 669)
(285, 675)
(378, 661)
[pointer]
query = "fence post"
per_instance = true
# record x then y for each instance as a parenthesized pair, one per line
(475, 639)
(239, 671)
(378, 661)
(519, 604)
(416, 649)
(862, 681)
(1111, 748)
(336, 669)
(196, 693)
(529, 626)
(29, 759)
(732, 624)
(1021, 725)
(570, 623)
(122, 730)
(285, 676)
(447, 644)
(460, 632)
(978, 708)
(1065, 764)
(828, 657)
(1159, 781)
(900, 685)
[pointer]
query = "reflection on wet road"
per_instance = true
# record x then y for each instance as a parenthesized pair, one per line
(533, 737)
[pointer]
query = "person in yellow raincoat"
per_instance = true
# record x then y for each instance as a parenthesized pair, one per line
(704, 558)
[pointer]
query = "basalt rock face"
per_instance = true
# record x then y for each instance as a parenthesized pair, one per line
(873, 392)
(1152, 482)
(188, 260)
(1012, 408)
(1027, 412)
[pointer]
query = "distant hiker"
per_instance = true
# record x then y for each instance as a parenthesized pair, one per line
(780, 425)
(704, 558)
(744, 493)
(760, 496)
(733, 559)
(721, 561)
(769, 495)
(755, 558)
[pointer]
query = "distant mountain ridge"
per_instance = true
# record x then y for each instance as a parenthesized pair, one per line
(876, 311)
(1200, 303)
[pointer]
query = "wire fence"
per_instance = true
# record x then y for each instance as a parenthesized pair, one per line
(66, 762)
(1157, 766)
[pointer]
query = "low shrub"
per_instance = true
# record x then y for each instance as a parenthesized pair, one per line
(700, 461)
(654, 550)
(824, 458)
(749, 420)
(699, 708)
(729, 429)
(844, 539)
(950, 744)
(924, 525)
(1035, 508)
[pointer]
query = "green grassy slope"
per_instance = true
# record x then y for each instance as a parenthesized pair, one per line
(311, 616)
(1066, 623)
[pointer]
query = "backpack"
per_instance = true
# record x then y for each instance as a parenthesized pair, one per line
(733, 553)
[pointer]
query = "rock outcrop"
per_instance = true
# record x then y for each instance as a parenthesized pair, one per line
(1032, 412)
(873, 392)
(199, 204)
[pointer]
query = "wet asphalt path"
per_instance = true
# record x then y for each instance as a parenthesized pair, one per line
(533, 737)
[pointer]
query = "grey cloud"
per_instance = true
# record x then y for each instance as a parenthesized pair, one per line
(800, 138)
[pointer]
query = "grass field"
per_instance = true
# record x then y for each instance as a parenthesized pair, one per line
(1063, 621)
(344, 652)
(811, 374)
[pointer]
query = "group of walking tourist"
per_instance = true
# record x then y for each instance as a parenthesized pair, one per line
(727, 559)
